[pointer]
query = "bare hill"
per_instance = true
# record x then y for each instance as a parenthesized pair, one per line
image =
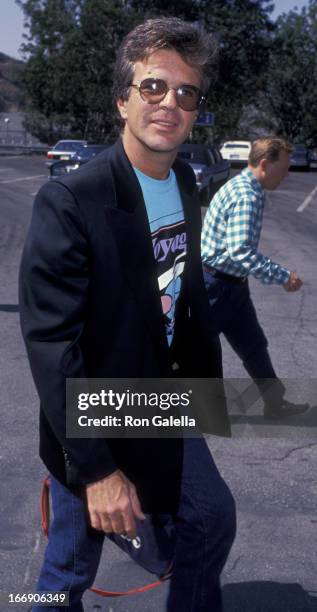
(11, 86)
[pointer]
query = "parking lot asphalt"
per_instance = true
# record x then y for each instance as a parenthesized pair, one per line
(271, 469)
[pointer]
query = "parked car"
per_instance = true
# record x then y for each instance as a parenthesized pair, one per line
(300, 157)
(60, 168)
(313, 158)
(64, 150)
(236, 151)
(79, 157)
(210, 169)
(87, 152)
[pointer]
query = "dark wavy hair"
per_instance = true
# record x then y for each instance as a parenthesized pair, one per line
(195, 45)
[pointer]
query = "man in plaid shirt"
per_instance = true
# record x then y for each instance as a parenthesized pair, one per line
(229, 246)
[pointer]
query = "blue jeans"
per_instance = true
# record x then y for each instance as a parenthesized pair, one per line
(232, 313)
(205, 524)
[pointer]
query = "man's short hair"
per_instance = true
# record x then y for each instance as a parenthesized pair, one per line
(268, 148)
(195, 45)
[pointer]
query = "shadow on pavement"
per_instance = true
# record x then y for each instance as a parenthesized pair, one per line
(268, 597)
(9, 308)
(307, 419)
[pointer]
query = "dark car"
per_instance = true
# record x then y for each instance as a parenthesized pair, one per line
(87, 152)
(80, 157)
(64, 150)
(313, 158)
(300, 157)
(211, 170)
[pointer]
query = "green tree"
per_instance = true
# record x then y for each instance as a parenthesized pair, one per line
(103, 24)
(50, 23)
(2, 104)
(11, 84)
(71, 50)
(290, 95)
(244, 31)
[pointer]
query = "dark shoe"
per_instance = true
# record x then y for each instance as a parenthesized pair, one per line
(284, 410)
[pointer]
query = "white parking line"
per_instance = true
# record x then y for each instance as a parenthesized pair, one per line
(7, 157)
(307, 200)
(33, 553)
(287, 192)
(24, 178)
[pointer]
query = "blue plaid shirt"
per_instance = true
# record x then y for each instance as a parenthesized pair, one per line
(232, 228)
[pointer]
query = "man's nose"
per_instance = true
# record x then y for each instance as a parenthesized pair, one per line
(170, 100)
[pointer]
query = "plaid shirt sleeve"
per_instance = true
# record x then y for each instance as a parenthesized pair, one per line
(243, 234)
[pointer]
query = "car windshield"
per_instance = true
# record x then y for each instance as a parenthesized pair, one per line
(195, 156)
(231, 145)
(66, 145)
(85, 152)
(90, 151)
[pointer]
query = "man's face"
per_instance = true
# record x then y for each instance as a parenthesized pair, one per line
(160, 127)
(276, 171)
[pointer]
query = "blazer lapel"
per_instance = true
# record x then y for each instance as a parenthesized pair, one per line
(186, 188)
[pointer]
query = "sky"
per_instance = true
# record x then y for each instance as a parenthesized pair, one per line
(11, 23)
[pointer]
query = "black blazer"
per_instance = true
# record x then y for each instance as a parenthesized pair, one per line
(90, 307)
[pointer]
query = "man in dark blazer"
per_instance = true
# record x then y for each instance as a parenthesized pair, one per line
(95, 303)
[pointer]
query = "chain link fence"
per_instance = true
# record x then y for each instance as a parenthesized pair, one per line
(14, 138)
(17, 138)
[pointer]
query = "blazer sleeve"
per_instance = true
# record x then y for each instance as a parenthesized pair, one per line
(54, 278)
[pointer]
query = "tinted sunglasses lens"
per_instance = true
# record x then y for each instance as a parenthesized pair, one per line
(188, 98)
(153, 90)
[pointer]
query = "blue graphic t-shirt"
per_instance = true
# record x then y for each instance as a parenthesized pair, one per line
(166, 218)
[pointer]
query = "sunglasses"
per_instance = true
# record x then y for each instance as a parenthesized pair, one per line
(153, 91)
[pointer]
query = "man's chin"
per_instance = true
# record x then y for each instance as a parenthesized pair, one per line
(162, 147)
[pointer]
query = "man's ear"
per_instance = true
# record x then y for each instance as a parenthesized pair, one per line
(122, 108)
(263, 165)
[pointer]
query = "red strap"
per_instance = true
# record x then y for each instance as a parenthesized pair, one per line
(146, 587)
(45, 506)
(45, 521)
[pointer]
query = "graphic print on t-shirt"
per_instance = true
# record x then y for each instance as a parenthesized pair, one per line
(169, 246)
(166, 218)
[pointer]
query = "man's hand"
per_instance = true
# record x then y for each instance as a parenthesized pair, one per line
(294, 282)
(113, 505)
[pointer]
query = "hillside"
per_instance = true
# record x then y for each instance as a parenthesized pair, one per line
(11, 87)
